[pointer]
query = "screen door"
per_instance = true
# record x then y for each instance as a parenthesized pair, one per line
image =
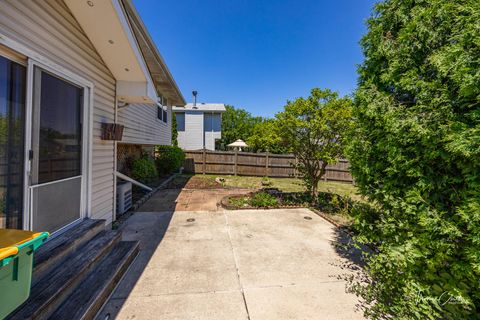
(56, 176)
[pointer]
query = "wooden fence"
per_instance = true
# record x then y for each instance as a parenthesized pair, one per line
(255, 164)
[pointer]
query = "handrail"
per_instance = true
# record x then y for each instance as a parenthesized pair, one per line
(135, 182)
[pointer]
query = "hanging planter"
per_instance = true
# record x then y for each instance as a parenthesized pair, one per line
(112, 131)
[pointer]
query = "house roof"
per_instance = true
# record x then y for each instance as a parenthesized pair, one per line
(162, 78)
(217, 107)
(122, 40)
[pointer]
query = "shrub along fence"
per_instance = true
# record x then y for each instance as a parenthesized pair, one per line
(255, 164)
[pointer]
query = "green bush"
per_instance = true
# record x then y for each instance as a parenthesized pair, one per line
(415, 152)
(169, 159)
(143, 169)
(263, 200)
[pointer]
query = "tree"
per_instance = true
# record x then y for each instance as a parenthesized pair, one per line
(415, 152)
(314, 129)
(237, 124)
(265, 137)
(174, 130)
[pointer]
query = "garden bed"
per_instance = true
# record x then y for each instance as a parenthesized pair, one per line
(333, 207)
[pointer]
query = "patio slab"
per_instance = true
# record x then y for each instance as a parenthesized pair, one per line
(248, 264)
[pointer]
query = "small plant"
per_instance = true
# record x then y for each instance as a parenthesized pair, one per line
(266, 182)
(169, 159)
(240, 202)
(143, 169)
(263, 199)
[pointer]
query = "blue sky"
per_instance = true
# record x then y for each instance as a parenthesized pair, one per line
(256, 54)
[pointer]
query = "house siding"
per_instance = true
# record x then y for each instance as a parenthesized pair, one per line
(200, 129)
(212, 129)
(143, 127)
(48, 28)
(192, 137)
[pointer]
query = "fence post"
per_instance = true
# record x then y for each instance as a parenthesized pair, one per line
(204, 158)
(266, 164)
(325, 175)
(236, 161)
(295, 174)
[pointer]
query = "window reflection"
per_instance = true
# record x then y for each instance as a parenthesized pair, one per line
(60, 137)
(12, 121)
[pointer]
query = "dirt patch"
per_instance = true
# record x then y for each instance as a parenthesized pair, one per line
(194, 182)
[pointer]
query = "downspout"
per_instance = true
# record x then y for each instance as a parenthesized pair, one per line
(135, 182)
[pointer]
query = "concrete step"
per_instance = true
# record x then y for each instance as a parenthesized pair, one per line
(54, 250)
(97, 287)
(59, 282)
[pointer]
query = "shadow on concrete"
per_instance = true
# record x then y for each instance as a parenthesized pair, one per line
(148, 226)
(166, 199)
(149, 229)
(347, 248)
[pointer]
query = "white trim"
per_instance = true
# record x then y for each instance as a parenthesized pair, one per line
(122, 15)
(55, 181)
(85, 191)
(35, 59)
(115, 150)
(28, 146)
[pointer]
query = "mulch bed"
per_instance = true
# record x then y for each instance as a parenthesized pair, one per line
(186, 182)
(225, 203)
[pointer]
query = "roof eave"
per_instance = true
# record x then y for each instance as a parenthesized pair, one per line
(162, 77)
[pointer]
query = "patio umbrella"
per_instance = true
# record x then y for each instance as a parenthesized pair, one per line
(238, 144)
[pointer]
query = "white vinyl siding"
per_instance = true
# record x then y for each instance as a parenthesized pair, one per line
(48, 28)
(142, 125)
(192, 137)
(201, 129)
(212, 128)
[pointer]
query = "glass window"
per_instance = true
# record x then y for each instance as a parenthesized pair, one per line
(159, 113)
(60, 129)
(12, 136)
(165, 116)
(212, 122)
(180, 117)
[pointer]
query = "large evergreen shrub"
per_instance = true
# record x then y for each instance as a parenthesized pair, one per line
(169, 159)
(416, 153)
(143, 169)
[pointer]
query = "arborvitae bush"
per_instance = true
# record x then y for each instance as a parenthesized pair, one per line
(415, 152)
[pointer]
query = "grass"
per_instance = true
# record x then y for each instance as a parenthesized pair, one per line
(284, 184)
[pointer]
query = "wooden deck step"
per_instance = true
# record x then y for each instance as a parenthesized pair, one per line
(53, 251)
(94, 291)
(53, 288)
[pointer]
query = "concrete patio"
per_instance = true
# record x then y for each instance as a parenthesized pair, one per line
(254, 264)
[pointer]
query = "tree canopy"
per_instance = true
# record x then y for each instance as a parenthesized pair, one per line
(415, 152)
(237, 124)
(314, 128)
(265, 137)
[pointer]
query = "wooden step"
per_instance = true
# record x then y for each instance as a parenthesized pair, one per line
(95, 290)
(54, 250)
(51, 290)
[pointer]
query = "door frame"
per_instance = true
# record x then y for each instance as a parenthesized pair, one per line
(35, 59)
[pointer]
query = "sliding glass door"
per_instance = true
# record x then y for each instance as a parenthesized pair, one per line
(12, 137)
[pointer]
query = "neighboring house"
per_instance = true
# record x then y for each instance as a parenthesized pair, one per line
(199, 125)
(71, 73)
